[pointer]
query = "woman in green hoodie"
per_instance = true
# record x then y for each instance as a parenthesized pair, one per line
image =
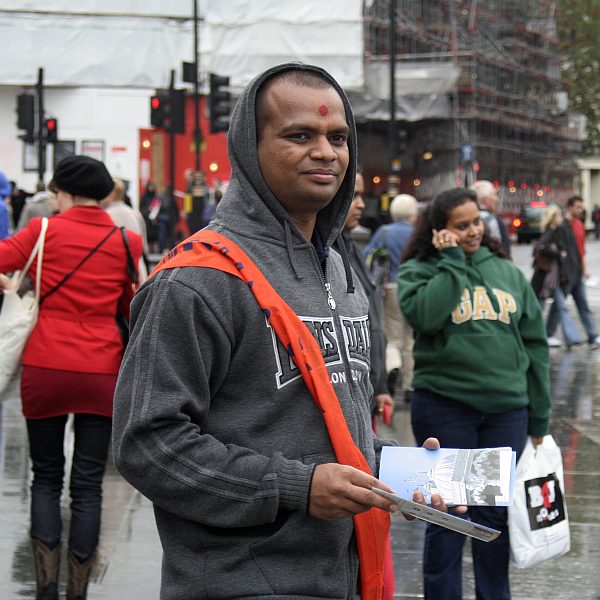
(481, 368)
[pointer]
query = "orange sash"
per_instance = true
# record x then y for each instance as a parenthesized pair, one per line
(212, 250)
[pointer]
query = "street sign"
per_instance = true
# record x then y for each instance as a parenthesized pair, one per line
(467, 152)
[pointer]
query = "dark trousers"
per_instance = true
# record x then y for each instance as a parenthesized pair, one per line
(46, 438)
(456, 425)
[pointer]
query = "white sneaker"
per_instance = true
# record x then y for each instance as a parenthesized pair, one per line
(554, 342)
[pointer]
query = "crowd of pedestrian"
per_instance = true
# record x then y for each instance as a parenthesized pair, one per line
(244, 401)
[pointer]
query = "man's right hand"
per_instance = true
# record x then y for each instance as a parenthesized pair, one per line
(339, 491)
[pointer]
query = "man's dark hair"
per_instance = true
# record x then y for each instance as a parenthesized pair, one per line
(435, 216)
(301, 78)
(571, 201)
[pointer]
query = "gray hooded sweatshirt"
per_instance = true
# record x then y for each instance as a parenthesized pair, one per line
(213, 422)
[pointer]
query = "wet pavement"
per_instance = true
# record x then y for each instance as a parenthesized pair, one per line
(128, 565)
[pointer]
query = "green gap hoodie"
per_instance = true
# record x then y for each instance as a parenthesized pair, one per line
(479, 333)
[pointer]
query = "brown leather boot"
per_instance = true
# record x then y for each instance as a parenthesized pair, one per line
(47, 564)
(79, 576)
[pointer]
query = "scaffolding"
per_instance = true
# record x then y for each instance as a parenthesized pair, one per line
(507, 103)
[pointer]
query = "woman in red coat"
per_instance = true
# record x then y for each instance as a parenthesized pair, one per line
(71, 361)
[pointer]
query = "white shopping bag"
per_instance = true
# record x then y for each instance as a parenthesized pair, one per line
(18, 317)
(537, 521)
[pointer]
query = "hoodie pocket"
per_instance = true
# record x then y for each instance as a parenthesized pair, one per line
(492, 362)
(306, 557)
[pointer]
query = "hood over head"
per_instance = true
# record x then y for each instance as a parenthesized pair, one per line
(248, 205)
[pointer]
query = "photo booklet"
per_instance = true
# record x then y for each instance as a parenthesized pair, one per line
(477, 477)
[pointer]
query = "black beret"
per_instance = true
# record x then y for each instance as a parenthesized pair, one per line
(83, 176)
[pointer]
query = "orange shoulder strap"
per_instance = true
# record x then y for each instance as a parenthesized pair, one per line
(213, 250)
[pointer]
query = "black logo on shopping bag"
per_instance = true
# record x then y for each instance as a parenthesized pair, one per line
(545, 504)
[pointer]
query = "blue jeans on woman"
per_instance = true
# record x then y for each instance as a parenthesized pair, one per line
(46, 438)
(457, 425)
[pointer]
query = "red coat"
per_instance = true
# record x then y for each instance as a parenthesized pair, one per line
(76, 328)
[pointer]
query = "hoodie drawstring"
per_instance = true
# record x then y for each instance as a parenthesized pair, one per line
(289, 243)
(346, 262)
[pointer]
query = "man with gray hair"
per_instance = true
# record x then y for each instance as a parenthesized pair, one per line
(393, 239)
(487, 198)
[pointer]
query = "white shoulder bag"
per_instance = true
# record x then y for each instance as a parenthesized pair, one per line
(18, 317)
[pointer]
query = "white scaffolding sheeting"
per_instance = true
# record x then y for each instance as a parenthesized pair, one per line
(421, 91)
(134, 43)
(246, 38)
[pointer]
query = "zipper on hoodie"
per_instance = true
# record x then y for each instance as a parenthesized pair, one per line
(332, 305)
(330, 299)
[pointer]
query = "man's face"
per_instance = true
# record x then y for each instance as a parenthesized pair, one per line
(358, 204)
(490, 200)
(303, 146)
(576, 211)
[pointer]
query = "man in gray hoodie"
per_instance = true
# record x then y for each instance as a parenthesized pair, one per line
(213, 421)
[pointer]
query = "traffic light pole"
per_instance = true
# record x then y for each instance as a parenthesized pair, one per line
(197, 133)
(394, 176)
(40, 133)
(172, 144)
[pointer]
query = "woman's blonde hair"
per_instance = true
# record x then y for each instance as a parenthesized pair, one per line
(548, 216)
(119, 189)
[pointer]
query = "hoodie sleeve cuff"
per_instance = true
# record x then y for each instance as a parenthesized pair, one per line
(538, 427)
(453, 252)
(293, 479)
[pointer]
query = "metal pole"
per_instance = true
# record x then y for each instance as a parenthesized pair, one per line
(394, 176)
(197, 133)
(40, 133)
(172, 140)
(392, 72)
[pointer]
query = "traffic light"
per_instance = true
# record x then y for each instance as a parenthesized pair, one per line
(175, 111)
(25, 116)
(401, 140)
(167, 110)
(219, 103)
(51, 126)
(157, 109)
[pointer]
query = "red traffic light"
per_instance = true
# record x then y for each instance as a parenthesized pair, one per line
(51, 125)
(155, 102)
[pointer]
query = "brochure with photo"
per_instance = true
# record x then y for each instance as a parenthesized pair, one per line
(481, 477)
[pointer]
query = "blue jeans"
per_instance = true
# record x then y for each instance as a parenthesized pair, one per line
(92, 438)
(559, 311)
(457, 425)
(577, 290)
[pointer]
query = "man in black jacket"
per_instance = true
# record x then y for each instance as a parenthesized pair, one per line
(378, 375)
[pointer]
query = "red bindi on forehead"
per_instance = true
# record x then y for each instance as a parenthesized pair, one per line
(323, 110)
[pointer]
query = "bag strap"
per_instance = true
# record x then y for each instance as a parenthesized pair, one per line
(131, 271)
(81, 262)
(40, 258)
(38, 250)
(212, 250)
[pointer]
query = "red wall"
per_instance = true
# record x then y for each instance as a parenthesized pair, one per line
(213, 150)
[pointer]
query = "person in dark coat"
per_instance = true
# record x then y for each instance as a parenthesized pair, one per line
(549, 269)
(378, 373)
(150, 207)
